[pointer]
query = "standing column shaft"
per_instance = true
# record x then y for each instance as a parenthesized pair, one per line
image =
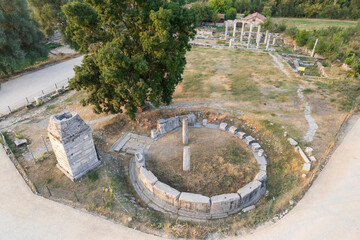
(226, 30)
(186, 158)
(185, 138)
(234, 31)
(249, 39)
(230, 43)
(274, 41)
(266, 36)
(313, 51)
(258, 37)
(242, 32)
(268, 41)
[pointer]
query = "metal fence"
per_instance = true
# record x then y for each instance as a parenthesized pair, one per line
(30, 98)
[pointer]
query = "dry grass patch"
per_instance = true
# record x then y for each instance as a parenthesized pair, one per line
(220, 163)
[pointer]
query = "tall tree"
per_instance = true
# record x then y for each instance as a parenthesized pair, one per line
(20, 38)
(48, 13)
(220, 6)
(138, 51)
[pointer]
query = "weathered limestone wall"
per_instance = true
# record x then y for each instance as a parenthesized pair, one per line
(164, 126)
(73, 144)
(191, 206)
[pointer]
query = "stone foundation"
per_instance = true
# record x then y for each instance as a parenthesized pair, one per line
(196, 207)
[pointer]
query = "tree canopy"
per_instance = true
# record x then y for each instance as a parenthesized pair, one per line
(137, 51)
(20, 38)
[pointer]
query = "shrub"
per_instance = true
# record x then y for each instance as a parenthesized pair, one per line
(230, 14)
(302, 36)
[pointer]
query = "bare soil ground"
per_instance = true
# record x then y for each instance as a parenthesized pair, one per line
(220, 163)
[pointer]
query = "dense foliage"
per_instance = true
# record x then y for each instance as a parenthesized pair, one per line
(137, 51)
(341, 44)
(340, 9)
(20, 38)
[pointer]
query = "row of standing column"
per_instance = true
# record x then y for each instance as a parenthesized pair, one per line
(258, 35)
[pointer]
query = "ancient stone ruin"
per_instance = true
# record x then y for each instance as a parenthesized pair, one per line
(193, 206)
(73, 144)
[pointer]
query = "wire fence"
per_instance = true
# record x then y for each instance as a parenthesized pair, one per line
(31, 97)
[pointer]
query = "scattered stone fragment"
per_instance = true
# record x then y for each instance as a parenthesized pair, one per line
(204, 122)
(223, 126)
(153, 133)
(261, 152)
(306, 167)
(312, 158)
(255, 146)
(249, 139)
(292, 142)
(20, 142)
(302, 154)
(303, 175)
(309, 151)
(291, 202)
(241, 135)
(233, 130)
(249, 208)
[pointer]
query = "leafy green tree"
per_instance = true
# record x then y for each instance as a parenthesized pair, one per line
(203, 12)
(242, 5)
(230, 14)
(48, 13)
(138, 51)
(220, 6)
(20, 38)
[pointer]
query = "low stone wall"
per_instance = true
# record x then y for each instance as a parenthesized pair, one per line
(196, 207)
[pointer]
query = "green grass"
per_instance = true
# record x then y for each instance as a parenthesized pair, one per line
(52, 46)
(50, 107)
(93, 176)
(308, 90)
(235, 155)
(311, 23)
(244, 89)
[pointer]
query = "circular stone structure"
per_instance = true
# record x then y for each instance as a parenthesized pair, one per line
(219, 163)
(193, 206)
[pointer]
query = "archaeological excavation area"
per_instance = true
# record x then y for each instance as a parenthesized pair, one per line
(239, 145)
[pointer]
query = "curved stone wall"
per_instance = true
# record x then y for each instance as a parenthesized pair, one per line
(196, 207)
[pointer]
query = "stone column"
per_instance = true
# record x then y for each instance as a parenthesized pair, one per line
(268, 41)
(249, 39)
(185, 138)
(242, 32)
(266, 36)
(313, 51)
(230, 43)
(258, 37)
(274, 41)
(234, 30)
(186, 158)
(226, 30)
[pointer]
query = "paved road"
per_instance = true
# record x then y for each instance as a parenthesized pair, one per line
(13, 92)
(330, 209)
